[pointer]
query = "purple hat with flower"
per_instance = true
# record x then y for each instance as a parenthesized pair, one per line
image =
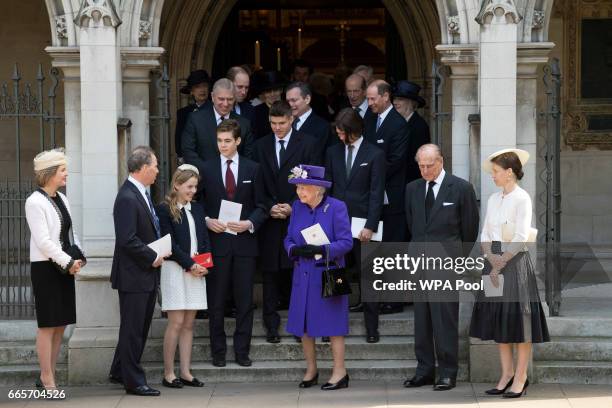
(307, 174)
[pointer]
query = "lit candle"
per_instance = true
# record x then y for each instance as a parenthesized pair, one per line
(257, 55)
(278, 59)
(299, 50)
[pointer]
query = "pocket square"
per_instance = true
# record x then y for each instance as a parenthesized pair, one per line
(363, 164)
(246, 181)
(445, 204)
(380, 141)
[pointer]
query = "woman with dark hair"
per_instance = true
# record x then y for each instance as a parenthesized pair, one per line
(515, 317)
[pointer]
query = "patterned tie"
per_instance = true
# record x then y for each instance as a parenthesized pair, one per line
(378, 122)
(221, 119)
(281, 153)
(230, 182)
(349, 160)
(429, 200)
(155, 219)
(358, 110)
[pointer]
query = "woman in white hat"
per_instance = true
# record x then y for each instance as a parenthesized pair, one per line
(515, 317)
(55, 256)
(182, 282)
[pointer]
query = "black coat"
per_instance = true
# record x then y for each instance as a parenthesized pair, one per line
(418, 135)
(249, 188)
(300, 150)
(364, 190)
(248, 111)
(392, 138)
(200, 137)
(132, 269)
(261, 126)
(181, 237)
(181, 119)
(319, 128)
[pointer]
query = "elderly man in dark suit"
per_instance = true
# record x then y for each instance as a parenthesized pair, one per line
(278, 153)
(440, 208)
(198, 85)
(406, 100)
(299, 96)
(135, 270)
(355, 87)
(200, 135)
(357, 171)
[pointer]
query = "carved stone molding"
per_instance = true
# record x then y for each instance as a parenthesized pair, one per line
(144, 30)
(60, 27)
(96, 13)
(452, 23)
(539, 17)
(496, 9)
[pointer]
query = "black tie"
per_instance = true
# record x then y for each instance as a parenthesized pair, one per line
(349, 160)
(429, 199)
(295, 123)
(281, 153)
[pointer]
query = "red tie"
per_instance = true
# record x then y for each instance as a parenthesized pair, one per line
(230, 182)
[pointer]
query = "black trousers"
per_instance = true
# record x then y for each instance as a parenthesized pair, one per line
(233, 273)
(136, 311)
(370, 309)
(436, 330)
(272, 282)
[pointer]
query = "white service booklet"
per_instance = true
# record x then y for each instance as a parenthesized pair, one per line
(162, 246)
(315, 235)
(357, 224)
(229, 212)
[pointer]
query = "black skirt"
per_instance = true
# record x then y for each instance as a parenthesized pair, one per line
(53, 295)
(516, 317)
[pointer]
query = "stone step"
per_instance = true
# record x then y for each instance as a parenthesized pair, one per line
(574, 349)
(573, 372)
(25, 374)
(276, 371)
(580, 327)
(391, 347)
(24, 352)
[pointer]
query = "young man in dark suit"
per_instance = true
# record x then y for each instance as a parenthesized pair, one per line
(357, 171)
(278, 153)
(200, 135)
(232, 177)
(240, 79)
(198, 85)
(440, 208)
(305, 120)
(135, 270)
(386, 129)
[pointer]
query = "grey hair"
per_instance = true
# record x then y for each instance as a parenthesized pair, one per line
(321, 191)
(140, 156)
(302, 86)
(365, 68)
(224, 83)
(429, 147)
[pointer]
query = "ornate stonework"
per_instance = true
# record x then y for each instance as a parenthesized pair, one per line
(452, 23)
(60, 26)
(144, 30)
(538, 19)
(498, 8)
(95, 13)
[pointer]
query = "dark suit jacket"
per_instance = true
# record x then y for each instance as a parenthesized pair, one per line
(200, 137)
(418, 135)
(249, 187)
(181, 119)
(181, 237)
(132, 269)
(261, 126)
(455, 222)
(300, 150)
(363, 191)
(248, 111)
(392, 138)
(319, 128)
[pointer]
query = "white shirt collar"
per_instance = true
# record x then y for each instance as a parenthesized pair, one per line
(218, 115)
(185, 206)
(303, 117)
(234, 158)
(363, 107)
(356, 144)
(440, 177)
(138, 184)
(237, 108)
(409, 116)
(385, 113)
(286, 138)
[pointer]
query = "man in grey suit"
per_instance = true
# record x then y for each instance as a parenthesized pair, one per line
(440, 209)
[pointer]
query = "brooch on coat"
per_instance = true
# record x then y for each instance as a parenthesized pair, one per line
(325, 208)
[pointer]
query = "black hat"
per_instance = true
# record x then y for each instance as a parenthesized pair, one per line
(408, 90)
(266, 80)
(196, 77)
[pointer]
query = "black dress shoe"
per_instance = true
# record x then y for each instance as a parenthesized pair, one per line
(244, 361)
(114, 379)
(193, 383)
(418, 381)
(218, 362)
(444, 384)
(343, 383)
(511, 394)
(143, 391)
(273, 338)
(325, 339)
(309, 383)
(496, 391)
(375, 338)
(388, 308)
(297, 339)
(176, 383)
(358, 308)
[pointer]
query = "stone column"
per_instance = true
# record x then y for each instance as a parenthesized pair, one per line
(463, 61)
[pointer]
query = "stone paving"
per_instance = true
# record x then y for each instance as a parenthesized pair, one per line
(360, 394)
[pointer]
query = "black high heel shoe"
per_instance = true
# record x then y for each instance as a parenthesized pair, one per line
(511, 394)
(38, 383)
(309, 383)
(343, 383)
(496, 391)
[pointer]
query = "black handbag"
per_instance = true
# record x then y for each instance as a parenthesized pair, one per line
(334, 281)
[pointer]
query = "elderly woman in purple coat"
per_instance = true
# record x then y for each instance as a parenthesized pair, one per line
(311, 315)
